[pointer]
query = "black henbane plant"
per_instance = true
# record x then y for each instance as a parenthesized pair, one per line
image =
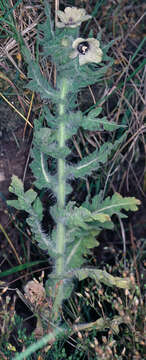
(78, 62)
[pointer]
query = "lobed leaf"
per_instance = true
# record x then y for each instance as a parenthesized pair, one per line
(103, 277)
(113, 205)
(25, 199)
(38, 83)
(91, 162)
(93, 124)
(39, 167)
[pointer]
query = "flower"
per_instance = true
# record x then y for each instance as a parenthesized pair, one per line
(88, 51)
(71, 17)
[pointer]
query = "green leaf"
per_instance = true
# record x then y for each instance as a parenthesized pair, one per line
(95, 112)
(39, 167)
(43, 137)
(30, 196)
(98, 217)
(76, 217)
(25, 199)
(51, 120)
(22, 267)
(93, 124)
(43, 240)
(113, 205)
(38, 83)
(46, 141)
(38, 208)
(73, 121)
(91, 162)
(16, 186)
(89, 75)
(81, 217)
(77, 250)
(80, 233)
(83, 225)
(103, 277)
(46, 28)
(15, 203)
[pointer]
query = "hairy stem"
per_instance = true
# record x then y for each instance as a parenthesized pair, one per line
(60, 243)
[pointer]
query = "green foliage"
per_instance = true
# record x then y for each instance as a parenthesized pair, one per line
(38, 82)
(103, 277)
(76, 227)
(91, 122)
(82, 223)
(24, 199)
(29, 202)
(91, 162)
(111, 206)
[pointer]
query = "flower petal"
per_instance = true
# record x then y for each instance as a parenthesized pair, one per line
(72, 17)
(61, 15)
(89, 51)
(90, 57)
(75, 13)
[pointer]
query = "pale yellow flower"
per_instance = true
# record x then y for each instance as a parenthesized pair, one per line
(72, 17)
(88, 51)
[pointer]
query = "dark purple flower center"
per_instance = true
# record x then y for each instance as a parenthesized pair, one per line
(83, 47)
(70, 20)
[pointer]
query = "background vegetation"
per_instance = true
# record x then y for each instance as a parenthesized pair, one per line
(122, 96)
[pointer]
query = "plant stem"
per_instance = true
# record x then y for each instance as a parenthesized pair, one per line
(60, 241)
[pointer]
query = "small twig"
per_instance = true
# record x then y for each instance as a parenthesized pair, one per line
(56, 9)
(28, 115)
(124, 241)
(26, 165)
(134, 258)
(17, 111)
(10, 243)
(131, 30)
